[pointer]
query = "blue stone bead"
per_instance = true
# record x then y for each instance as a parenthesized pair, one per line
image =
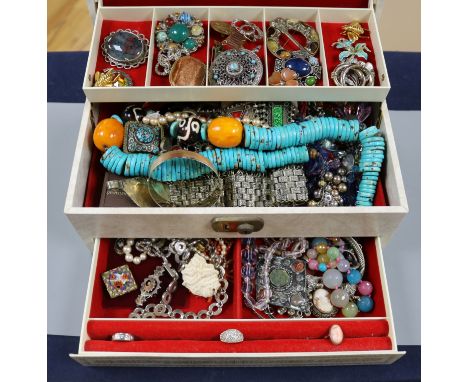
(120, 164)
(299, 65)
(369, 132)
(372, 139)
(116, 117)
(363, 204)
(322, 267)
(354, 276)
(365, 304)
(113, 162)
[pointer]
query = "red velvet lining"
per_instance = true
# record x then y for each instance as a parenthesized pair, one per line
(102, 306)
(204, 330)
(157, 80)
(138, 75)
(215, 36)
(266, 3)
(372, 274)
(287, 44)
(331, 32)
(260, 346)
(96, 171)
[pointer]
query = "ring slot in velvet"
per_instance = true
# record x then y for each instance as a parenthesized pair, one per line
(331, 32)
(206, 330)
(259, 346)
(138, 75)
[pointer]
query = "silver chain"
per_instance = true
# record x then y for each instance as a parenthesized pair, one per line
(183, 252)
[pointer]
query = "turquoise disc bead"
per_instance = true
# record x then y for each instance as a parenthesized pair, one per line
(178, 32)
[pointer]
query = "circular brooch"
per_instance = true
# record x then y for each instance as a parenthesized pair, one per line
(236, 67)
(280, 26)
(125, 49)
(180, 34)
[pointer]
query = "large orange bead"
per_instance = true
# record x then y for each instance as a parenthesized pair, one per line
(225, 132)
(109, 132)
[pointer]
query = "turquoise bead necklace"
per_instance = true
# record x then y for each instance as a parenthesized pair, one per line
(265, 149)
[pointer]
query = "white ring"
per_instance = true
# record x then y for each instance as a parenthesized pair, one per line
(122, 337)
(231, 336)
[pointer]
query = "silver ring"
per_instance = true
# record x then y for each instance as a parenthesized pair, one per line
(122, 337)
(231, 336)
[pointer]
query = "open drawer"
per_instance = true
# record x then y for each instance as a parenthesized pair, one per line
(91, 221)
(369, 338)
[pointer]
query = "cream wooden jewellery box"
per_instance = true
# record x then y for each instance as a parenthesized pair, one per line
(96, 225)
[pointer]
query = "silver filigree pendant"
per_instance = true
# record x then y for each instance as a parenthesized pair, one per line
(236, 67)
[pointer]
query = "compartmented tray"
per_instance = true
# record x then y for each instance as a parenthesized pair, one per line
(151, 87)
(369, 337)
(91, 221)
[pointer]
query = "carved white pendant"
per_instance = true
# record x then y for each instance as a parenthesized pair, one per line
(200, 277)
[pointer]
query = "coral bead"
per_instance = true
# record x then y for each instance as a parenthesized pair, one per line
(225, 132)
(109, 132)
(365, 288)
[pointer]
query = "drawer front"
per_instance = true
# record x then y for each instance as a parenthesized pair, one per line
(92, 222)
(148, 87)
(375, 271)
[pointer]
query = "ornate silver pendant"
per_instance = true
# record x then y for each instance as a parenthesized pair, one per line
(236, 67)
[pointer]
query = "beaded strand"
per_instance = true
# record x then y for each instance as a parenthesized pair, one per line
(287, 145)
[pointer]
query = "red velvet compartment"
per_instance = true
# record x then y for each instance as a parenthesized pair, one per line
(260, 346)
(187, 336)
(215, 36)
(287, 44)
(266, 3)
(138, 75)
(372, 274)
(96, 171)
(102, 306)
(331, 32)
(157, 80)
